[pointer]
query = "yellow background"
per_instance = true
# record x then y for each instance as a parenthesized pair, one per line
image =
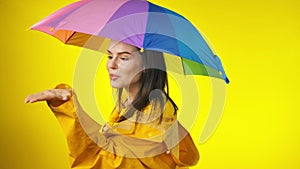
(258, 42)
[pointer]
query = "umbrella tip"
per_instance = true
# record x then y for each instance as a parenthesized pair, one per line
(227, 80)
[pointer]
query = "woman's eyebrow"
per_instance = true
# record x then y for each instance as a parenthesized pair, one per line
(120, 53)
(124, 52)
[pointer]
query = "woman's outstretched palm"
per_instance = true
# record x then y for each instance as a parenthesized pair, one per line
(52, 96)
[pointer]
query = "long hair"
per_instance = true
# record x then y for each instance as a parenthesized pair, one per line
(153, 78)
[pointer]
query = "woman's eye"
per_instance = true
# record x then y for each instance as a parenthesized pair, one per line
(109, 57)
(124, 58)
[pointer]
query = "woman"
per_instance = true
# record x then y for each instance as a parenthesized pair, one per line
(142, 132)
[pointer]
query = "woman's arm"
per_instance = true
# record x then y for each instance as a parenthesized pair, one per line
(82, 139)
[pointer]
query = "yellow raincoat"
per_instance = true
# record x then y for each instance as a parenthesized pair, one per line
(146, 143)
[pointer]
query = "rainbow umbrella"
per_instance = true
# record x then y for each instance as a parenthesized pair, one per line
(93, 23)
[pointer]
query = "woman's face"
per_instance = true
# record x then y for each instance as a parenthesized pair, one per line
(124, 65)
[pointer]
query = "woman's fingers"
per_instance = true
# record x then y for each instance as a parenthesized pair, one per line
(49, 95)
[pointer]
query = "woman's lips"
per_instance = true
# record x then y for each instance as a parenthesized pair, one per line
(113, 76)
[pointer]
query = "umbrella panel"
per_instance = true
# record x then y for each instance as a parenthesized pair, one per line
(174, 63)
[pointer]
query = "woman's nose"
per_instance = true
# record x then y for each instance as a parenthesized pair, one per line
(112, 63)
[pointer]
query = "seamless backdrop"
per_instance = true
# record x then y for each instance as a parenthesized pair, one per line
(258, 42)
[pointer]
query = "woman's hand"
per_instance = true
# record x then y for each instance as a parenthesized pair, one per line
(52, 96)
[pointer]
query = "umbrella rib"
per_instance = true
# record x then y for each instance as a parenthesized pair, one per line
(184, 72)
(66, 42)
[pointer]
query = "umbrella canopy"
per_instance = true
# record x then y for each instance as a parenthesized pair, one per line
(93, 23)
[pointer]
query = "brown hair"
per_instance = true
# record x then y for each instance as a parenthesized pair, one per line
(153, 77)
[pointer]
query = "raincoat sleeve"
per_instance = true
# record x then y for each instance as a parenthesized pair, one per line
(185, 153)
(178, 141)
(83, 149)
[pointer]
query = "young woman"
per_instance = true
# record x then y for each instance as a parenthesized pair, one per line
(142, 132)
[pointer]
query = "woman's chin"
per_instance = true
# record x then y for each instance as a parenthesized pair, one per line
(114, 85)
